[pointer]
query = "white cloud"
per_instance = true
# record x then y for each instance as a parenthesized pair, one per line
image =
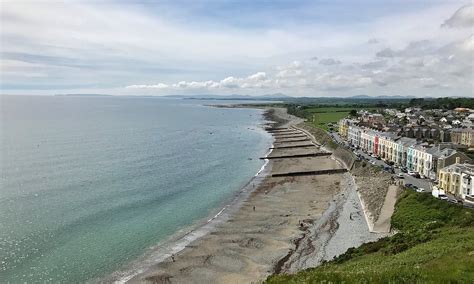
(329, 61)
(157, 86)
(257, 80)
(374, 64)
(373, 41)
(462, 18)
(107, 44)
(342, 81)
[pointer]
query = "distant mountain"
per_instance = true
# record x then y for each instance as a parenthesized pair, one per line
(365, 97)
(277, 96)
(82, 95)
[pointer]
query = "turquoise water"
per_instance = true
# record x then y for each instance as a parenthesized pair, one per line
(88, 184)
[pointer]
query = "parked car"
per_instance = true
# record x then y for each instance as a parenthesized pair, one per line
(409, 185)
(443, 196)
(404, 170)
(437, 193)
(400, 175)
(420, 190)
(410, 173)
(417, 175)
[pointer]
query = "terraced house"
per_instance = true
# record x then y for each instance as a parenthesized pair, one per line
(402, 151)
(458, 180)
(463, 136)
(353, 135)
(403, 144)
(414, 153)
(388, 147)
(368, 141)
(467, 138)
(344, 125)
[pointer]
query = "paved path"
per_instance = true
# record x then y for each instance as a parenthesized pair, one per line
(383, 223)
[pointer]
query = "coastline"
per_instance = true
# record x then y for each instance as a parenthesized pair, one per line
(182, 239)
(280, 225)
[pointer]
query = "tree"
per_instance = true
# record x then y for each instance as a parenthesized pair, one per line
(353, 112)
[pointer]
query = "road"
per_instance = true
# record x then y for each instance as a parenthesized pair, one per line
(418, 182)
(426, 184)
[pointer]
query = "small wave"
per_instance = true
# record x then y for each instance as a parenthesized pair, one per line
(217, 215)
(266, 161)
(182, 238)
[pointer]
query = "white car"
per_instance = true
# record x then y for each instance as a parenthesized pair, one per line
(410, 173)
(420, 190)
(442, 197)
(400, 175)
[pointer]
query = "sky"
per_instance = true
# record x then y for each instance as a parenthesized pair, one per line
(298, 48)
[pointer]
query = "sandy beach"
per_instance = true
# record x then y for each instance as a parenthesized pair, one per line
(286, 223)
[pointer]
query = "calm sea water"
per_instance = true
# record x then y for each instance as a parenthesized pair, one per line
(88, 184)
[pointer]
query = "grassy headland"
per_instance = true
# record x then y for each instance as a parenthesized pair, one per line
(434, 243)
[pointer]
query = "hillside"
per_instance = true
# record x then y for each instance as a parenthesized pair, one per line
(434, 243)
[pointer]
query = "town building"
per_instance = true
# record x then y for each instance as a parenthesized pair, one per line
(446, 157)
(404, 143)
(467, 137)
(344, 126)
(387, 146)
(403, 151)
(463, 136)
(456, 135)
(457, 179)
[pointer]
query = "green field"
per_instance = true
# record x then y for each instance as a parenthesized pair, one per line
(435, 244)
(321, 117)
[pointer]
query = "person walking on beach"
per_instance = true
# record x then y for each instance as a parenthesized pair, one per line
(254, 208)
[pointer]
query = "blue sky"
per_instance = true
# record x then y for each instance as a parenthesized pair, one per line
(300, 48)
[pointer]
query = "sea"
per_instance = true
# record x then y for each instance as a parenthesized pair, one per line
(89, 185)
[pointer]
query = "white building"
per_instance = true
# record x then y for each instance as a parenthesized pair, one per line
(467, 183)
(353, 135)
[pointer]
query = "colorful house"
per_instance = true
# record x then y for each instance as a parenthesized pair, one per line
(458, 180)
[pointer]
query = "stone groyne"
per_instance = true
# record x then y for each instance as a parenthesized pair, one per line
(371, 183)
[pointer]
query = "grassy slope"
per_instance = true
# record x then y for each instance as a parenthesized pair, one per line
(435, 243)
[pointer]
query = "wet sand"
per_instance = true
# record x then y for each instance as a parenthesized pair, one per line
(285, 224)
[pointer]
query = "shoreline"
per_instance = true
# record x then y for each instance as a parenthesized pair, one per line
(181, 239)
(282, 225)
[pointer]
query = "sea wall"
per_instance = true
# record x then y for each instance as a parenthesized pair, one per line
(372, 183)
(339, 152)
(372, 187)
